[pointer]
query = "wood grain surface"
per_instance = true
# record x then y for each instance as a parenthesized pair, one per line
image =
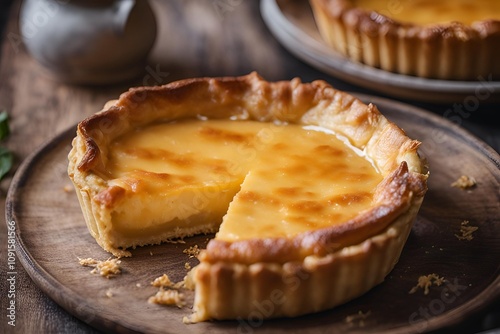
(196, 38)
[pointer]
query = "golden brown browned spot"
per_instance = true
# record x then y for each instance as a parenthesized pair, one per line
(160, 154)
(150, 175)
(280, 146)
(289, 191)
(181, 161)
(293, 192)
(298, 167)
(346, 199)
(308, 206)
(110, 195)
(252, 196)
(328, 150)
(217, 166)
(187, 178)
(223, 135)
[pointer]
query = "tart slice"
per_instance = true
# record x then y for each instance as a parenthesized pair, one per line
(450, 39)
(311, 193)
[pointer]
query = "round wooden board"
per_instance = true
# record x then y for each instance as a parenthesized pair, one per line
(293, 25)
(51, 236)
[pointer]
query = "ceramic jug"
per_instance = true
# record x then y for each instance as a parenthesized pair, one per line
(89, 41)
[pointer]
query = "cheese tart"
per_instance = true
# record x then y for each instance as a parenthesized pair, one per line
(311, 193)
(451, 39)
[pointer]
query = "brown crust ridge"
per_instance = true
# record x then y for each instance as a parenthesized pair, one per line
(454, 51)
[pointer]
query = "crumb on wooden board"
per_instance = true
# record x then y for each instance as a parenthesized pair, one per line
(358, 318)
(464, 182)
(426, 281)
(162, 281)
(466, 231)
(108, 268)
(68, 188)
(169, 293)
(192, 251)
(168, 297)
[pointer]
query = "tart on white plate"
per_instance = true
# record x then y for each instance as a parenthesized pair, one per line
(311, 193)
(450, 40)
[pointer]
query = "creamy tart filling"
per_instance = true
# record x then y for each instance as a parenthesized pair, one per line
(293, 178)
(305, 179)
(427, 12)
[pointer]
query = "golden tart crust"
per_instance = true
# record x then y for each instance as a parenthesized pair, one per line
(309, 272)
(449, 51)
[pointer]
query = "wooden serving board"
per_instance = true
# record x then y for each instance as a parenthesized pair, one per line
(51, 236)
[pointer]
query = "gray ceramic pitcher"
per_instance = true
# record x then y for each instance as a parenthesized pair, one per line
(89, 41)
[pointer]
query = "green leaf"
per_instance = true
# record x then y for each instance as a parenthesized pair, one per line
(4, 125)
(6, 161)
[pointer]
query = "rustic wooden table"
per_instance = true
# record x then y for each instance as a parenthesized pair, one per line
(196, 38)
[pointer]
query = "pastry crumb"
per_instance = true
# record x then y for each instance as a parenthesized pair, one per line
(162, 281)
(109, 294)
(139, 285)
(426, 281)
(67, 188)
(464, 182)
(168, 297)
(168, 294)
(187, 265)
(88, 262)
(165, 282)
(108, 268)
(192, 251)
(466, 231)
(358, 318)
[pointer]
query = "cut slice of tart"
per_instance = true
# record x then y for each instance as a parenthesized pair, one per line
(311, 193)
(452, 40)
